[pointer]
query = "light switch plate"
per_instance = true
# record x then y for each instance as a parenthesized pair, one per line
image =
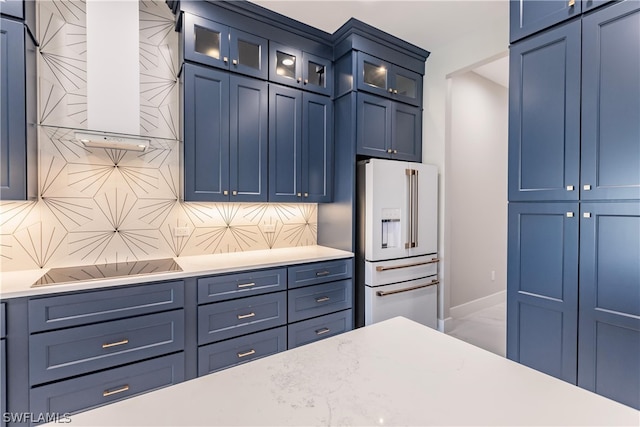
(181, 231)
(269, 228)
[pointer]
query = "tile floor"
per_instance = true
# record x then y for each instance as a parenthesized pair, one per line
(486, 328)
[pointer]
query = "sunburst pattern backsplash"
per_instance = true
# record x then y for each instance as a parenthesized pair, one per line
(101, 205)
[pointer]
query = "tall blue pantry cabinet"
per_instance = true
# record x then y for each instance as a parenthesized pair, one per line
(574, 193)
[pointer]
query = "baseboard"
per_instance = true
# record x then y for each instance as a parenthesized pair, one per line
(477, 304)
(445, 325)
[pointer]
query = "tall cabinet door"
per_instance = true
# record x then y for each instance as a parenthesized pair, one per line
(611, 103)
(544, 116)
(609, 345)
(248, 141)
(407, 133)
(542, 290)
(317, 148)
(529, 16)
(206, 134)
(285, 144)
(374, 126)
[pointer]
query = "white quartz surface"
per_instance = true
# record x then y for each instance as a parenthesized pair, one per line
(392, 373)
(18, 283)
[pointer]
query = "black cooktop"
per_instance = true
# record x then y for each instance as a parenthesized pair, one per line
(57, 276)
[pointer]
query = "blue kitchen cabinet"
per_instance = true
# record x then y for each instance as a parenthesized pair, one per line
(3, 364)
(609, 315)
(589, 5)
(388, 129)
(300, 146)
(211, 43)
(293, 67)
(610, 157)
(530, 16)
(388, 80)
(544, 116)
(18, 152)
(542, 289)
(24, 10)
(225, 136)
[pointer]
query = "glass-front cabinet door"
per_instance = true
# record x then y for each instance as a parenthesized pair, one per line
(248, 54)
(317, 74)
(388, 80)
(285, 65)
(407, 86)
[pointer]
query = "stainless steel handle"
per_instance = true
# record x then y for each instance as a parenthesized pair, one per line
(247, 353)
(412, 288)
(115, 344)
(415, 264)
(322, 331)
(322, 299)
(108, 393)
(246, 316)
(234, 62)
(246, 285)
(322, 273)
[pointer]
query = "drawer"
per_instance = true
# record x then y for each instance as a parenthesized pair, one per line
(99, 306)
(214, 357)
(319, 272)
(3, 321)
(90, 391)
(313, 301)
(230, 286)
(230, 319)
(69, 352)
(318, 328)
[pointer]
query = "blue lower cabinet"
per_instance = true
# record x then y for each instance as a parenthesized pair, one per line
(319, 328)
(225, 354)
(609, 320)
(313, 301)
(90, 391)
(542, 287)
(230, 286)
(59, 354)
(319, 272)
(228, 319)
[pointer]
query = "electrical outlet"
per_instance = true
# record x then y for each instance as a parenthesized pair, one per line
(493, 275)
(181, 231)
(269, 228)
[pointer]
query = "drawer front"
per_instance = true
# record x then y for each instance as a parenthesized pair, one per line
(214, 357)
(90, 391)
(99, 306)
(319, 272)
(69, 352)
(230, 286)
(3, 321)
(311, 330)
(317, 300)
(230, 319)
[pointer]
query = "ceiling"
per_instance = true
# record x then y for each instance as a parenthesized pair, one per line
(429, 24)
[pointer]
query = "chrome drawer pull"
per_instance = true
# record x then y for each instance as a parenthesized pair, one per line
(412, 288)
(322, 331)
(248, 353)
(322, 273)
(115, 344)
(415, 264)
(245, 316)
(246, 285)
(107, 393)
(322, 299)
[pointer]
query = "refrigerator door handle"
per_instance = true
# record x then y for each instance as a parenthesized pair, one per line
(415, 210)
(410, 174)
(412, 288)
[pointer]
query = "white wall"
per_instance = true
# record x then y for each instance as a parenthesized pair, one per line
(476, 196)
(462, 52)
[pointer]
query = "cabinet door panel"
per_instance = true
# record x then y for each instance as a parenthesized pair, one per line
(319, 328)
(248, 54)
(317, 148)
(248, 140)
(407, 133)
(529, 16)
(205, 41)
(542, 286)
(285, 144)
(313, 301)
(374, 74)
(407, 86)
(544, 116)
(609, 345)
(611, 103)
(317, 74)
(285, 65)
(374, 126)
(206, 134)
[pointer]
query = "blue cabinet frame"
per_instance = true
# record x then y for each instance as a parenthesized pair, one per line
(530, 16)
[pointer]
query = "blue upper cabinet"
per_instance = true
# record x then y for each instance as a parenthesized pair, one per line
(18, 153)
(530, 16)
(542, 290)
(544, 116)
(611, 103)
(317, 148)
(293, 67)
(225, 136)
(385, 79)
(609, 319)
(588, 5)
(218, 45)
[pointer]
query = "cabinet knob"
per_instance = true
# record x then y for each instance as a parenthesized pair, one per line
(234, 193)
(299, 194)
(306, 194)
(390, 90)
(569, 187)
(586, 187)
(395, 91)
(389, 150)
(572, 3)
(587, 215)
(225, 193)
(569, 214)
(234, 62)
(306, 81)
(225, 59)
(395, 151)
(299, 79)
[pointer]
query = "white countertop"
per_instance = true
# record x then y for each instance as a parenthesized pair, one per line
(18, 283)
(392, 373)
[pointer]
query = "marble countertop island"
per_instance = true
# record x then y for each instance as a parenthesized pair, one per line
(392, 373)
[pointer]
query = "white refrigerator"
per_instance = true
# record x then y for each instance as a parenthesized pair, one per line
(397, 240)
